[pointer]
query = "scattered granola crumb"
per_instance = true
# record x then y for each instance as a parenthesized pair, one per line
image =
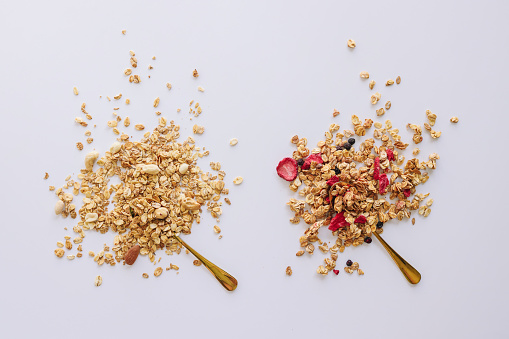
(217, 229)
(351, 43)
(299, 253)
(124, 31)
(454, 120)
(139, 127)
(79, 146)
(127, 101)
(156, 102)
(75, 91)
(195, 73)
(335, 113)
(198, 129)
(388, 105)
(416, 151)
(289, 271)
(201, 89)
(364, 75)
(46, 175)
(234, 141)
(360, 272)
(413, 221)
(372, 84)
(197, 263)
(168, 85)
(154, 57)
(158, 271)
(71, 257)
(220, 237)
(238, 180)
(145, 275)
(227, 201)
(52, 188)
(389, 82)
(59, 252)
(398, 80)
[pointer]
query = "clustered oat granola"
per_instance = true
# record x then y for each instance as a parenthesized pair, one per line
(161, 190)
(353, 192)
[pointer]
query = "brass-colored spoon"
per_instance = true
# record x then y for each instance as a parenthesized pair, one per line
(227, 280)
(411, 274)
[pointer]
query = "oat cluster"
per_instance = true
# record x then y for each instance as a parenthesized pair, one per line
(352, 190)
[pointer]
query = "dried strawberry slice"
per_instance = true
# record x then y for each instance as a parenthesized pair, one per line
(313, 157)
(337, 222)
(406, 192)
(376, 169)
(287, 169)
(336, 272)
(334, 179)
(360, 219)
(390, 154)
(383, 183)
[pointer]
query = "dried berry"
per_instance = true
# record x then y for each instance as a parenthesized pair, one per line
(351, 141)
(379, 224)
(313, 157)
(337, 171)
(376, 169)
(300, 162)
(347, 146)
(368, 240)
(337, 222)
(336, 272)
(349, 263)
(334, 179)
(360, 219)
(287, 169)
(383, 182)
(406, 192)
(390, 154)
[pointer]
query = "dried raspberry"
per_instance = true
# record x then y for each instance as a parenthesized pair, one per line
(406, 192)
(287, 169)
(383, 182)
(376, 169)
(360, 219)
(327, 200)
(334, 179)
(337, 222)
(313, 157)
(336, 272)
(390, 154)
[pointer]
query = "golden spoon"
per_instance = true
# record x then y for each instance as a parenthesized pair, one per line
(228, 281)
(411, 274)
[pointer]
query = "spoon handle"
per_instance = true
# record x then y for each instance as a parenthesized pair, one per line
(410, 273)
(227, 280)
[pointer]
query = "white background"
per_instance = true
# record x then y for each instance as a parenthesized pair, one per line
(270, 69)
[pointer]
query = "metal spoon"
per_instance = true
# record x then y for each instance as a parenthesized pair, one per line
(411, 274)
(224, 278)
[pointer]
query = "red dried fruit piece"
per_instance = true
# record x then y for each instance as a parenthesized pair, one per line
(390, 154)
(327, 200)
(334, 179)
(337, 222)
(287, 169)
(406, 192)
(336, 272)
(376, 169)
(313, 157)
(383, 182)
(360, 219)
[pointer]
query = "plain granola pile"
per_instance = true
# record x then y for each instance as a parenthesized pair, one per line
(352, 191)
(162, 190)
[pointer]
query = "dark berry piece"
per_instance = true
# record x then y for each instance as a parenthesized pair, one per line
(351, 141)
(337, 171)
(379, 224)
(368, 240)
(349, 263)
(300, 162)
(347, 146)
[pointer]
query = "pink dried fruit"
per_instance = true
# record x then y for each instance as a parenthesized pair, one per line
(406, 192)
(313, 157)
(360, 219)
(390, 154)
(287, 169)
(376, 169)
(334, 179)
(383, 182)
(337, 222)
(336, 272)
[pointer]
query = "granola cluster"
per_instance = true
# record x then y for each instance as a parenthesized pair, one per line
(352, 190)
